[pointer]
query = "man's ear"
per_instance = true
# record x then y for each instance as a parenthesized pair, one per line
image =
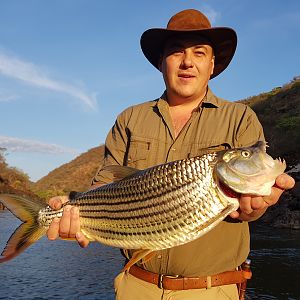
(213, 65)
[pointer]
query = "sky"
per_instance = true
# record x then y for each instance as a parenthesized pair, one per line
(69, 67)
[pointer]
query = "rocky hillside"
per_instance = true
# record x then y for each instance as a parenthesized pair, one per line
(279, 113)
(13, 180)
(73, 176)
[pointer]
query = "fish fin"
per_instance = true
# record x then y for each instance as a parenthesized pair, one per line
(23, 208)
(114, 173)
(148, 257)
(27, 233)
(24, 236)
(137, 256)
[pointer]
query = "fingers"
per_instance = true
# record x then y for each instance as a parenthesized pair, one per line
(252, 207)
(68, 224)
(60, 227)
(52, 232)
(68, 227)
(58, 201)
(82, 240)
(249, 204)
(245, 204)
(257, 202)
(65, 223)
(234, 214)
(74, 222)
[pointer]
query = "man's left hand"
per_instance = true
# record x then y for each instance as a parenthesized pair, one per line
(253, 207)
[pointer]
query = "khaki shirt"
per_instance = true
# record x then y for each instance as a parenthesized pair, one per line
(143, 136)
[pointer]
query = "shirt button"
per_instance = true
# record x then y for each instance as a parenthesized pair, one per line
(159, 256)
(173, 149)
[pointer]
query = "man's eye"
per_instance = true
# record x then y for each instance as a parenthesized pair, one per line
(177, 51)
(199, 53)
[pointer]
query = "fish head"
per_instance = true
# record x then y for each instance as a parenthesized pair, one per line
(248, 170)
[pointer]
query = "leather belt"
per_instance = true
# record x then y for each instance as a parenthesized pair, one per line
(169, 282)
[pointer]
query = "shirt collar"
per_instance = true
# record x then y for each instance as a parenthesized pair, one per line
(209, 101)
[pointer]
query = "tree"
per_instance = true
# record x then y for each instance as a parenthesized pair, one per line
(2, 155)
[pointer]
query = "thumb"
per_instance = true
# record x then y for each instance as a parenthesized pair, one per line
(285, 182)
(57, 201)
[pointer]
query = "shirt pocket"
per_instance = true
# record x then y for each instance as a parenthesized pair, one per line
(139, 152)
(203, 148)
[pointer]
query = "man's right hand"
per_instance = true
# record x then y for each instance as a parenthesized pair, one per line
(68, 226)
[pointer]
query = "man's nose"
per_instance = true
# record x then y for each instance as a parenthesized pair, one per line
(187, 60)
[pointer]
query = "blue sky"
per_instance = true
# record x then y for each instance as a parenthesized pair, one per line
(69, 67)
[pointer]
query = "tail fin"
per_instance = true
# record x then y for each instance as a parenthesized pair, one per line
(29, 231)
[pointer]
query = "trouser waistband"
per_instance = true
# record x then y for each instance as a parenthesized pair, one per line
(169, 282)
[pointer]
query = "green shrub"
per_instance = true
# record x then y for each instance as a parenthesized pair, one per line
(288, 123)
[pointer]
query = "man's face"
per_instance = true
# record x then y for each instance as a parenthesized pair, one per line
(187, 65)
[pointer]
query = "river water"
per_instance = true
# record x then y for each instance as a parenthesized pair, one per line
(62, 270)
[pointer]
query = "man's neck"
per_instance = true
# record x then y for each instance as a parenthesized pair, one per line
(187, 103)
(181, 110)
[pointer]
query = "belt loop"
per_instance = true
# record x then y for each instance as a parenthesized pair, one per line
(160, 281)
(208, 282)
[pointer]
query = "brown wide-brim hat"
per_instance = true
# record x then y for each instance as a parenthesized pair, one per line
(222, 39)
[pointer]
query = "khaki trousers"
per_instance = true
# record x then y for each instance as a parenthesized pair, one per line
(128, 287)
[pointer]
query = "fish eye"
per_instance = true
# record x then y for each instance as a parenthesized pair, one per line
(246, 153)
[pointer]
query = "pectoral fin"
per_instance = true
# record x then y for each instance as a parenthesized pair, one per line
(148, 257)
(137, 256)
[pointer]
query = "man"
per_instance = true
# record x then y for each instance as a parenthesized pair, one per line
(187, 120)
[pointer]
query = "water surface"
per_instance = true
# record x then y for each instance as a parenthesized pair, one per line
(62, 270)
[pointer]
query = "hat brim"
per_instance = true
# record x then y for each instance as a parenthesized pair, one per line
(223, 39)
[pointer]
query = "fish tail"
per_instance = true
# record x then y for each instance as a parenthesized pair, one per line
(29, 231)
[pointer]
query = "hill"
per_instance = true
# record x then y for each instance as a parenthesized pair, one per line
(73, 176)
(279, 113)
(13, 180)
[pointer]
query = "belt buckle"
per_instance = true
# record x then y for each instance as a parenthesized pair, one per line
(161, 278)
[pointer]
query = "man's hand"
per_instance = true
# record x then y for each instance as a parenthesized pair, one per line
(68, 226)
(253, 207)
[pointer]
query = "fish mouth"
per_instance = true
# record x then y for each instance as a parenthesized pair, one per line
(227, 191)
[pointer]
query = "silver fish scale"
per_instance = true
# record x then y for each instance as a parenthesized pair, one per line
(157, 208)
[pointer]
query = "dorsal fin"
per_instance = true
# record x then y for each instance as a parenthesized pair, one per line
(114, 173)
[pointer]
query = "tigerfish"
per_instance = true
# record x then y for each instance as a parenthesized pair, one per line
(157, 208)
